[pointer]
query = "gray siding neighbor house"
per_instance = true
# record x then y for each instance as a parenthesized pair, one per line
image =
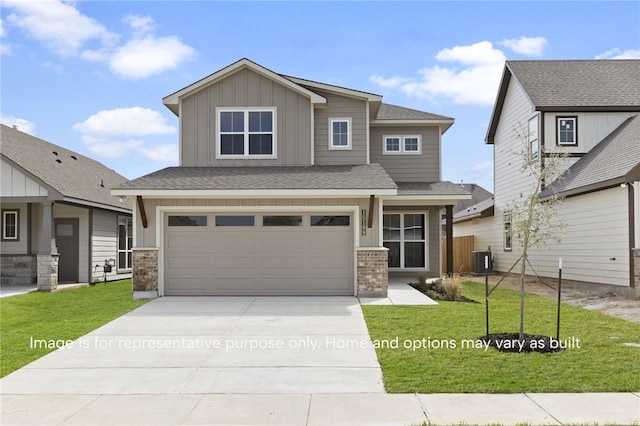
(588, 108)
(288, 186)
(60, 223)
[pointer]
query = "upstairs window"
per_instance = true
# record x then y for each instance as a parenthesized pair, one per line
(402, 144)
(339, 133)
(10, 225)
(532, 135)
(246, 133)
(567, 130)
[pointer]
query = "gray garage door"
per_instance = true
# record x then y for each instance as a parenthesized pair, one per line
(258, 254)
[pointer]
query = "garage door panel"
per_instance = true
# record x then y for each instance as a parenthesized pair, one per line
(271, 260)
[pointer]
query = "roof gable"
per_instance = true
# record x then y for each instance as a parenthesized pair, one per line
(615, 160)
(172, 101)
(571, 86)
(73, 176)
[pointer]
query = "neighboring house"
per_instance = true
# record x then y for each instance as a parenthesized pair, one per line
(60, 223)
(590, 109)
(480, 205)
(289, 187)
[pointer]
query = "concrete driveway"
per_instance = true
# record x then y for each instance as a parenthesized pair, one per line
(202, 345)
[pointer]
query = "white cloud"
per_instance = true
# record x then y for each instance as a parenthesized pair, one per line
(140, 24)
(616, 53)
(23, 125)
(5, 49)
(530, 46)
(121, 132)
(475, 82)
(144, 57)
(67, 32)
(60, 26)
(387, 82)
(134, 121)
(161, 153)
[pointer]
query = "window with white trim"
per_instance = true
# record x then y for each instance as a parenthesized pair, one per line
(507, 231)
(402, 144)
(532, 136)
(567, 130)
(11, 225)
(340, 133)
(125, 242)
(246, 133)
(405, 235)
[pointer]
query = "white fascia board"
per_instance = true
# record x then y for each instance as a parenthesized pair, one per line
(174, 98)
(425, 200)
(98, 205)
(256, 193)
(371, 97)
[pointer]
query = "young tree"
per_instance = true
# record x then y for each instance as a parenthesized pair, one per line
(535, 222)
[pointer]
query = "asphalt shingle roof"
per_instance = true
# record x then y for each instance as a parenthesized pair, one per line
(430, 188)
(71, 174)
(394, 112)
(580, 83)
(613, 158)
(367, 176)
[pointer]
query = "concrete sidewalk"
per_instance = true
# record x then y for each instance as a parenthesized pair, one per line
(321, 409)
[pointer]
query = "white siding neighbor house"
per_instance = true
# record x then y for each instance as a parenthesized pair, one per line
(589, 108)
(288, 186)
(60, 223)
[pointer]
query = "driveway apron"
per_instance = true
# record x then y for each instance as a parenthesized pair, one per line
(201, 345)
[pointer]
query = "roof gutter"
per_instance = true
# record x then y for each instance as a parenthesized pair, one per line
(255, 193)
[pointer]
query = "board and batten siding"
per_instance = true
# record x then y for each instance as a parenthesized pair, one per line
(17, 184)
(424, 167)
(245, 88)
(104, 244)
(341, 107)
(594, 246)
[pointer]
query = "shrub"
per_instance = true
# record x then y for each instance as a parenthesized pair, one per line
(449, 288)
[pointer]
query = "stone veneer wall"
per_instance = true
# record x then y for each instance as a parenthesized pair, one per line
(19, 269)
(47, 272)
(145, 273)
(373, 272)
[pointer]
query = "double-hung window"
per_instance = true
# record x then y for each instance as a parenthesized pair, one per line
(567, 130)
(533, 141)
(125, 242)
(10, 225)
(246, 133)
(405, 235)
(340, 133)
(401, 144)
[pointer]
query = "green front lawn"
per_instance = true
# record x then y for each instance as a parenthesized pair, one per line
(62, 316)
(598, 362)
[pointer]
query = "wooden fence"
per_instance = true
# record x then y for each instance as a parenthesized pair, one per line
(462, 248)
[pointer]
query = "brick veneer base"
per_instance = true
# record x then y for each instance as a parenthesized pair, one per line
(145, 273)
(373, 272)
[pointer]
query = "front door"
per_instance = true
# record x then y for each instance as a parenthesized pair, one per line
(68, 244)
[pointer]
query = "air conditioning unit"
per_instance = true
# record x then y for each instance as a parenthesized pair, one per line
(477, 262)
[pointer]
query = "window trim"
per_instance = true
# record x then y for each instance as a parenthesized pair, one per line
(533, 156)
(6, 212)
(128, 220)
(349, 144)
(575, 130)
(246, 155)
(507, 239)
(402, 241)
(403, 150)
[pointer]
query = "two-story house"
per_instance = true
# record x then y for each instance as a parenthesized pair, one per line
(589, 109)
(289, 187)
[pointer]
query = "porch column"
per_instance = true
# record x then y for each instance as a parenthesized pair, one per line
(449, 230)
(47, 257)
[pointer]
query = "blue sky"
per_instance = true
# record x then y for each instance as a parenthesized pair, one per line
(91, 75)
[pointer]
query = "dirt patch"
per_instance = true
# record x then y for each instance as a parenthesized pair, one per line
(592, 299)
